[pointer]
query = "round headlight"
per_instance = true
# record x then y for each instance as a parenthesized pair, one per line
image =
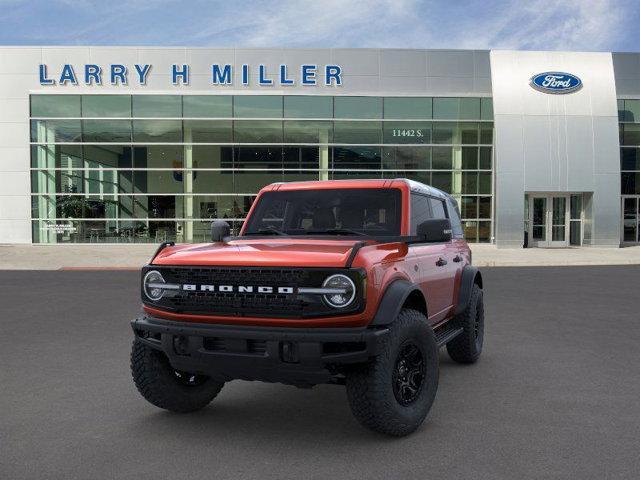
(151, 285)
(344, 291)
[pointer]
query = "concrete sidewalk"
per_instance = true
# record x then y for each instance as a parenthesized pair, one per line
(56, 257)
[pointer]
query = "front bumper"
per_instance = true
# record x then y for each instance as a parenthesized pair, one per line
(297, 356)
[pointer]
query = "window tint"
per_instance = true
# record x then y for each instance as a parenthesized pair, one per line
(420, 211)
(437, 208)
(454, 216)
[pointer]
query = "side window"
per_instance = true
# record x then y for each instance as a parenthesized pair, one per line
(437, 207)
(454, 215)
(420, 211)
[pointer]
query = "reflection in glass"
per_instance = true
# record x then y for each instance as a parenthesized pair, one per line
(357, 107)
(156, 131)
(159, 106)
(357, 132)
(109, 131)
(55, 105)
(408, 107)
(207, 106)
(303, 106)
(49, 131)
(257, 131)
(257, 106)
(105, 106)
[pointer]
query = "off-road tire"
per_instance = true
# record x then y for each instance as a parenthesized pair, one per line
(157, 382)
(467, 346)
(370, 388)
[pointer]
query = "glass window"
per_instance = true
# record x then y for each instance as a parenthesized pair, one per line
(632, 110)
(444, 132)
(212, 156)
(420, 211)
(442, 158)
(368, 211)
(470, 182)
(357, 132)
(631, 135)
(422, 177)
(55, 105)
(45, 131)
(630, 183)
(157, 106)
(101, 106)
(454, 216)
(297, 106)
(442, 181)
(485, 158)
(252, 182)
(469, 207)
(159, 156)
(484, 210)
(407, 132)
(299, 131)
(630, 158)
(484, 232)
(446, 108)
(486, 108)
(264, 158)
(485, 182)
(408, 107)
(437, 208)
(210, 106)
(469, 133)
(212, 181)
(257, 131)
(361, 158)
(486, 133)
(471, 231)
(470, 158)
(108, 156)
(303, 158)
(109, 131)
(157, 131)
(56, 156)
(208, 131)
(469, 108)
(358, 107)
(406, 158)
(257, 106)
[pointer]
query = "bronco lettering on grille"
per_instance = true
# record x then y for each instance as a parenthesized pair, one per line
(191, 287)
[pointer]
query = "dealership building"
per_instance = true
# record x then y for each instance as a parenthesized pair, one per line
(143, 145)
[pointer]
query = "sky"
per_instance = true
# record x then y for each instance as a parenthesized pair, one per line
(588, 25)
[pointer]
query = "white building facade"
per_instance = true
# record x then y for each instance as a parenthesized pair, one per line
(135, 145)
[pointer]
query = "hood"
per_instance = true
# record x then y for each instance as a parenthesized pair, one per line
(261, 252)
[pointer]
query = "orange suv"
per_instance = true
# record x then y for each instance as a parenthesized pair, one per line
(348, 282)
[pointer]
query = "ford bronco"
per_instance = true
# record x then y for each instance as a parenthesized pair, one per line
(348, 282)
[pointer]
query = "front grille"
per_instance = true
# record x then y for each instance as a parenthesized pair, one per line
(287, 305)
(252, 347)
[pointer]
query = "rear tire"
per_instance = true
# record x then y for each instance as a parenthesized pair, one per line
(163, 386)
(467, 347)
(394, 392)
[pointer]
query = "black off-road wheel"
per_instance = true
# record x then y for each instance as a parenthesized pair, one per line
(467, 347)
(165, 387)
(394, 392)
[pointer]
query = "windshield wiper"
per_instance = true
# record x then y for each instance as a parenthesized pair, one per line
(336, 231)
(266, 231)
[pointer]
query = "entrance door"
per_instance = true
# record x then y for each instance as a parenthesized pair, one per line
(630, 220)
(549, 220)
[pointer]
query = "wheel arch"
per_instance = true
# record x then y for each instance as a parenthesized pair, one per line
(470, 276)
(399, 294)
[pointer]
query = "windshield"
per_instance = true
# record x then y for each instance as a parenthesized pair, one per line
(361, 211)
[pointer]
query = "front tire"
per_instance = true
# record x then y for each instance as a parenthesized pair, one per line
(165, 387)
(467, 347)
(393, 393)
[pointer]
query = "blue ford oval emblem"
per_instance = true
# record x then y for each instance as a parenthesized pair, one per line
(556, 82)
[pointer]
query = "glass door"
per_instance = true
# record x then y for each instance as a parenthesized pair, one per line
(538, 210)
(549, 220)
(630, 219)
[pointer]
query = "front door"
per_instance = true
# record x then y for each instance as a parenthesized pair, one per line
(549, 220)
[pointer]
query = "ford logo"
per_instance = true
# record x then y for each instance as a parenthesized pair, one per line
(556, 82)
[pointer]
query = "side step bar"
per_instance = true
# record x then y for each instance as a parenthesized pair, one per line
(446, 334)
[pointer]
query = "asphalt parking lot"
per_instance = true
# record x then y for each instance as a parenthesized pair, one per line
(555, 395)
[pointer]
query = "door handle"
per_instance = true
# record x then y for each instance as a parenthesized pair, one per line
(441, 262)
(457, 258)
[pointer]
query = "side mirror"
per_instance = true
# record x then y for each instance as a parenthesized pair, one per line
(435, 230)
(219, 230)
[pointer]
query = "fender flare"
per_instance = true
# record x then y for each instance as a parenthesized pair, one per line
(470, 276)
(392, 300)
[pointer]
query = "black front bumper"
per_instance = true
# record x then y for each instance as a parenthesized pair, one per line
(298, 356)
